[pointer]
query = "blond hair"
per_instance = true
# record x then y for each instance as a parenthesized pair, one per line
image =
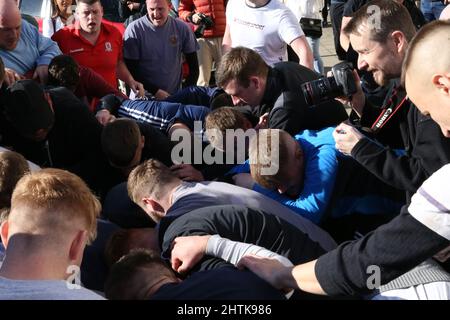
(149, 179)
(263, 153)
(52, 200)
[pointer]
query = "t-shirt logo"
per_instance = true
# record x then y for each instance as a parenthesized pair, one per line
(173, 39)
(108, 47)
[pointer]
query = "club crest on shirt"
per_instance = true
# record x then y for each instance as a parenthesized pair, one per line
(108, 47)
(173, 39)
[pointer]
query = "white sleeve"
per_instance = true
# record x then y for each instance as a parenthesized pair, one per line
(289, 28)
(233, 251)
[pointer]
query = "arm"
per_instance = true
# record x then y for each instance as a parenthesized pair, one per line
(303, 51)
(48, 49)
(430, 150)
(344, 38)
(124, 74)
(188, 251)
(185, 9)
(192, 61)
(133, 67)
(226, 42)
(416, 234)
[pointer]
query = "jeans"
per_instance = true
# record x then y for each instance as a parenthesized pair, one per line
(314, 43)
(431, 9)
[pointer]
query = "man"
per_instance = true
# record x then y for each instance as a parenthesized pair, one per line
(164, 197)
(245, 76)
(53, 128)
(421, 230)
(399, 124)
(85, 83)
(267, 27)
(127, 143)
(53, 217)
(97, 45)
(162, 115)
(25, 52)
(153, 49)
(143, 275)
(210, 42)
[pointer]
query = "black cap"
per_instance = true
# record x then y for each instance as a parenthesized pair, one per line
(27, 108)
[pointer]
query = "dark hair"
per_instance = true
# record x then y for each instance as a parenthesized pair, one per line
(88, 2)
(120, 140)
(131, 277)
(240, 64)
(389, 16)
(63, 71)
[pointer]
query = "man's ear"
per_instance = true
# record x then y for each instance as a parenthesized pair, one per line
(142, 144)
(442, 83)
(152, 204)
(77, 246)
(4, 230)
(399, 41)
(256, 81)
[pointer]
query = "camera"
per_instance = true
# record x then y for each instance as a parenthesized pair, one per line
(342, 83)
(206, 22)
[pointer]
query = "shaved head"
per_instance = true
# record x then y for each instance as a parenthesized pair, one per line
(10, 24)
(426, 72)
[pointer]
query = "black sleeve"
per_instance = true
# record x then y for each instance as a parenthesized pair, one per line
(192, 61)
(429, 150)
(291, 114)
(395, 247)
(133, 66)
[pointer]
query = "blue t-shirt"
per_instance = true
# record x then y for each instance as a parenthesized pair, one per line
(321, 166)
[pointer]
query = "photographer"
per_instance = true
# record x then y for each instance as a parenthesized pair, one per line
(209, 17)
(398, 124)
(276, 90)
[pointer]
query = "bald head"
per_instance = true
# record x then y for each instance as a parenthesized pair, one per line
(427, 52)
(445, 14)
(10, 24)
(426, 72)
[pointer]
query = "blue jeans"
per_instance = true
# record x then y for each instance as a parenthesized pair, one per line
(314, 43)
(431, 9)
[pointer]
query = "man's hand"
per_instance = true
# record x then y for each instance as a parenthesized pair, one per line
(161, 94)
(187, 252)
(263, 122)
(196, 18)
(346, 137)
(12, 76)
(104, 117)
(244, 180)
(187, 172)
(358, 99)
(271, 270)
(41, 73)
(137, 87)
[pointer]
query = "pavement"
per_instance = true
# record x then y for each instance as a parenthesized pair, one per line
(327, 51)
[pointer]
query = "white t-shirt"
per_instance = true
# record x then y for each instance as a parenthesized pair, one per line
(266, 29)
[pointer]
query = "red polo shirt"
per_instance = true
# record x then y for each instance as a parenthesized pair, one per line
(101, 57)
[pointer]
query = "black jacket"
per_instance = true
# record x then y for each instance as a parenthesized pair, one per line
(239, 223)
(395, 247)
(73, 142)
(426, 149)
(286, 104)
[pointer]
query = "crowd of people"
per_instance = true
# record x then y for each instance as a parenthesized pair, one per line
(194, 150)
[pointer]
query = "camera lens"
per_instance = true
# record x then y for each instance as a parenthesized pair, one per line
(320, 90)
